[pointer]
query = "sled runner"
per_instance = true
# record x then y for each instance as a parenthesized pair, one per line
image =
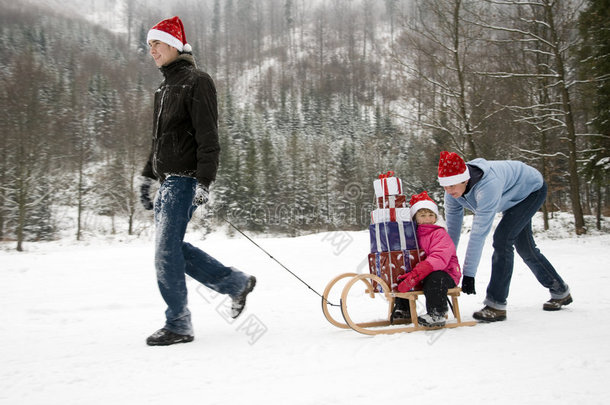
(385, 326)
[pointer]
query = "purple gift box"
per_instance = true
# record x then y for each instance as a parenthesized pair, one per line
(392, 236)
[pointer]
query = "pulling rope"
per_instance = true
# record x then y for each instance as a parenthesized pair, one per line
(278, 262)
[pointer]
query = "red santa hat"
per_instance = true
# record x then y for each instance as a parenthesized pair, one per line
(451, 169)
(171, 32)
(422, 200)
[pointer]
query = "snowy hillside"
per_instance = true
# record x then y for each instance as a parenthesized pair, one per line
(75, 316)
(110, 14)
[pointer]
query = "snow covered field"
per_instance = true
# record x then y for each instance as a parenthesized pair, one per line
(74, 318)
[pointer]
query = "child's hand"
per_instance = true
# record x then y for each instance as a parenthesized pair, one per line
(408, 282)
(412, 278)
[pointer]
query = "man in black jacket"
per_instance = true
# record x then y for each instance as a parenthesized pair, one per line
(184, 158)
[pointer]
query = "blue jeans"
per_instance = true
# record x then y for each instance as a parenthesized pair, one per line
(515, 229)
(174, 258)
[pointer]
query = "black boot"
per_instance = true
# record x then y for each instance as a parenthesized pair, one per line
(165, 337)
(239, 301)
(401, 311)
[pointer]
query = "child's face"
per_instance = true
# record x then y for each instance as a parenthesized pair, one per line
(425, 217)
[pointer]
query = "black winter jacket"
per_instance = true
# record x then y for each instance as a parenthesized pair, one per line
(185, 129)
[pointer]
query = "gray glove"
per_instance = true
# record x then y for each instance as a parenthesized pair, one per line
(145, 193)
(202, 195)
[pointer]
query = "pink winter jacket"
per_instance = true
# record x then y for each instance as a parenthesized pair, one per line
(440, 251)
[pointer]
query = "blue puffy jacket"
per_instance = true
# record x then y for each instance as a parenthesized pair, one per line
(505, 183)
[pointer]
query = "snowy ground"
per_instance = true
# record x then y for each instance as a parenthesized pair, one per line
(74, 319)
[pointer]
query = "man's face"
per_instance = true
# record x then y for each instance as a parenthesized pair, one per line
(456, 190)
(162, 53)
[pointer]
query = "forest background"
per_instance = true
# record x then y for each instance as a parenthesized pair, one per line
(316, 99)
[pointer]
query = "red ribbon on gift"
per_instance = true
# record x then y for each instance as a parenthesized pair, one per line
(384, 181)
(380, 217)
(386, 175)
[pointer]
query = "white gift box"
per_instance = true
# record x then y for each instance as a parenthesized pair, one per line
(387, 185)
(390, 215)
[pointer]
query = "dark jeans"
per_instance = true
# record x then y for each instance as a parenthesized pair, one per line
(174, 258)
(515, 229)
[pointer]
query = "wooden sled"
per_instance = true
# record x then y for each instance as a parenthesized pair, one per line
(390, 328)
(344, 325)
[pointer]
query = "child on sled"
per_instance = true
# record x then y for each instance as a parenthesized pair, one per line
(436, 274)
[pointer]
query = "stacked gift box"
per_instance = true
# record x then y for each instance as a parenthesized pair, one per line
(394, 249)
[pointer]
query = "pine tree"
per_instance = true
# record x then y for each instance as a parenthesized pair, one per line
(594, 27)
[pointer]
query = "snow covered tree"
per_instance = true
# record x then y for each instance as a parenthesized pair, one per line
(438, 36)
(306, 90)
(594, 25)
(544, 30)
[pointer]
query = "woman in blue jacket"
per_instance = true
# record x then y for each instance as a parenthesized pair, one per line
(487, 188)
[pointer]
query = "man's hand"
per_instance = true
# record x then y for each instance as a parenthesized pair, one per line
(145, 193)
(202, 195)
(468, 285)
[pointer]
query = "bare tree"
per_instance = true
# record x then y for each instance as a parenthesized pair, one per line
(436, 51)
(545, 31)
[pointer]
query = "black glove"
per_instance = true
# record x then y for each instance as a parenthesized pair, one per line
(202, 195)
(468, 285)
(145, 193)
